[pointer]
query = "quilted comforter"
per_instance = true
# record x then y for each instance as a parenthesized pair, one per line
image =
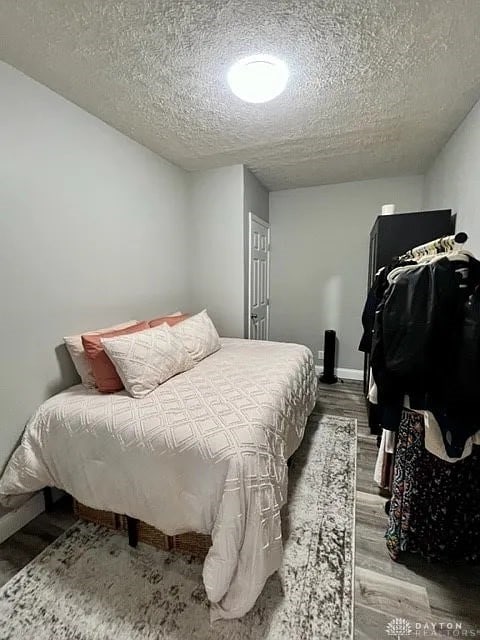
(204, 452)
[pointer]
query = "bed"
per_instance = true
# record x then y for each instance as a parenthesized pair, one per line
(205, 452)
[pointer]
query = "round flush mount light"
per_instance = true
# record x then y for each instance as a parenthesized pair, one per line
(258, 78)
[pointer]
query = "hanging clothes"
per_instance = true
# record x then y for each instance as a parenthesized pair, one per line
(434, 440)
(368, 320)
(434, 509)
(385, 459)
(374, 297)
(426, 327)
(425, 354)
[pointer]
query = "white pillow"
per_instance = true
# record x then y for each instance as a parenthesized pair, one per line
(77, 352)
(148, 358)
(198, 335)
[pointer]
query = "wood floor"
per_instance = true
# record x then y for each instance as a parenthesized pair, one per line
(27, 543)
(425, 592)
(430, 593)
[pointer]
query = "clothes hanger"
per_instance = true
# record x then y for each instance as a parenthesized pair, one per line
(449, 247)
(461, 255)
(435, 247)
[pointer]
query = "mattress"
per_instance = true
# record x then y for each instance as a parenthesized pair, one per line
(204, 452)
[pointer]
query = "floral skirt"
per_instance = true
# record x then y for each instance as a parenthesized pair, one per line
(435, 505)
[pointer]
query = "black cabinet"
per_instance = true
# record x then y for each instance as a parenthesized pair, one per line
(393, 235)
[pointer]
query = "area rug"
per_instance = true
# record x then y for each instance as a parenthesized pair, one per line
(90, 585)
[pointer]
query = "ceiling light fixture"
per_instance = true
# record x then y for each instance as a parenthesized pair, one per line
(258, 78)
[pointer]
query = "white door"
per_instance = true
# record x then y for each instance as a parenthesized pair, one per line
(259, 278)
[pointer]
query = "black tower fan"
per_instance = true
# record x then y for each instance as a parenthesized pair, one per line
(328, 376)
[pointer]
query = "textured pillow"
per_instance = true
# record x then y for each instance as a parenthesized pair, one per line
(170, 320)
(199, 336)
(147, 359)
(106, 377)
(77, 352)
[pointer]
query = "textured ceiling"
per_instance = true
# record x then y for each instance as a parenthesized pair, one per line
(376, 86)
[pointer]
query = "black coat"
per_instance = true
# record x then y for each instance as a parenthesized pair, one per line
(374, 298)
(426, 344)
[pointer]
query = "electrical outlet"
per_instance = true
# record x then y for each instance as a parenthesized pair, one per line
(320, 355)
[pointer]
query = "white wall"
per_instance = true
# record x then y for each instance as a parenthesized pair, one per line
(255, 196)
(320, 242)
(255, 200)
(453, 182)
(216, 246)
(92, 232)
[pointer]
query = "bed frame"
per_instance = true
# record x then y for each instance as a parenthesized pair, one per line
(191, 543)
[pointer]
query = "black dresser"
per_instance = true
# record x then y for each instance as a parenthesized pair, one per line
(393, 235)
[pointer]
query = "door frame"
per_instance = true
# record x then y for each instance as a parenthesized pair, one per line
(253, 218)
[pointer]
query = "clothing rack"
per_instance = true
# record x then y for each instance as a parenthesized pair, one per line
(440, 245)
(426, 334)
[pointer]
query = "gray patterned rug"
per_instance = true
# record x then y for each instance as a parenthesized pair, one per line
(90, 585)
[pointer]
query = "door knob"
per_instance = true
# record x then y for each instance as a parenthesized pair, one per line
(254, 316)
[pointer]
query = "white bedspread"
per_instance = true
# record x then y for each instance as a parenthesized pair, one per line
(205, 452)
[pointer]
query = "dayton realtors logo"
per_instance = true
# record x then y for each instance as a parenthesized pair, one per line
(400, 628)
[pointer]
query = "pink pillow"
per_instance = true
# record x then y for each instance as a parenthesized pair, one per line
(170, 320)
(106, 377)
(77, 352)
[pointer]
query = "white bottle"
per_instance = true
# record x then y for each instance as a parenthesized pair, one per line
(388, 209)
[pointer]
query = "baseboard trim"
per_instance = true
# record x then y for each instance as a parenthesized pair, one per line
(13, 521)
(348, 374)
